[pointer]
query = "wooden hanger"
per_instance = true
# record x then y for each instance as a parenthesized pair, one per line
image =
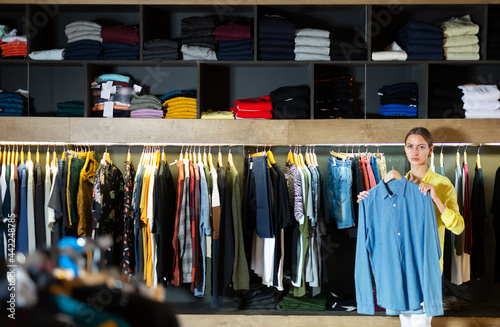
(157, 158)
(4, 160)
(181, 157)
(478, 157)
(270, 156)
(129, 155)
(392, 174)
(106, 156)
(210, 161)
(16, 160)
(219, 158)
(54, 157)
(21, 155)
(315, 158)
(465, 155)
(199, 153)
(87, 159)
(457, 162)
(338, 155)
(308, 157)
(8, 156)
(163, 155)
(432, 159)
(290, 159)
(441, 158)
(230, 158)
(37, 154)
(205, 162)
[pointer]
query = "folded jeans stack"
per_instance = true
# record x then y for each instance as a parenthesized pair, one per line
(276, 38)
(235, 40)
(255, 108)
(13, 103)
(13, 45)
(461, 41)
(445, 101)
(400, 99)
(146, 106)
(493, 40)
(312, 44)
(84, 41)
(481, 101)
(421, 41)
(333, 98)
(160, 49)
(120, 42)
(198, 40)
(111, 95)
(70, 109)
(180, 104)
(290, 102)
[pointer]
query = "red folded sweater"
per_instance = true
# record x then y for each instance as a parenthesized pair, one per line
(262, 103)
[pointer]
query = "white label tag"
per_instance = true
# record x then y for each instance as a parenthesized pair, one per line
(108, 109)
(251, 165)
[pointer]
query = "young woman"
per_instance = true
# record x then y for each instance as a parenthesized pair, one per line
(418, 147)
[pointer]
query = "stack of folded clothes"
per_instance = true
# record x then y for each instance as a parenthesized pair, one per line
(70, 109)
(260, 298)
(333, 98)
(461, 41)
(235, 40)
(209, 114)
(159, 50)
(493, 40)
(13, 45)
(312, 44)
(481, 101)
(399, 99)
(84, 41)
(445, 101)
(421, 41)
(304, 303)
(392, 52)
(276, 39)
(343, 49)
(146, 106)
(111, 95)
(120, 42)
(54, 54)
(290, 102)
(198, 40)
(256, 108)
(13, 103)
(180, 104)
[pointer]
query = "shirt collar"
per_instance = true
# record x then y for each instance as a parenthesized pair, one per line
(397, 187)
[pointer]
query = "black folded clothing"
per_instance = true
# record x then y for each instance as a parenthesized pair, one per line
(289, 92)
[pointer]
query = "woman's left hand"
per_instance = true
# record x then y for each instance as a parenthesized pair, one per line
(426, 187)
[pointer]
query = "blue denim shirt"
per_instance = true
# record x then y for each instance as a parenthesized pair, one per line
(398, 240)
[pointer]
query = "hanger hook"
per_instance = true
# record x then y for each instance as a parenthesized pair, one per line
(441, 148)
(480, 145)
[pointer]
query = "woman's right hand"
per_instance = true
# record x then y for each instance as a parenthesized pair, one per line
(362, 195)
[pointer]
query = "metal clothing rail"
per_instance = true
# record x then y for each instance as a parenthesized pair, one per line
(30, 143)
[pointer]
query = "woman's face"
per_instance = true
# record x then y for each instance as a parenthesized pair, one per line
(417, 149)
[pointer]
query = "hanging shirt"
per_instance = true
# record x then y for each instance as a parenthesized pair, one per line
(30, 196)
(479, 214)
(176, 240)
(39, 210)
(398, 240)
(24, 243)
(128, 259)
(84, 197)
(46, 192)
